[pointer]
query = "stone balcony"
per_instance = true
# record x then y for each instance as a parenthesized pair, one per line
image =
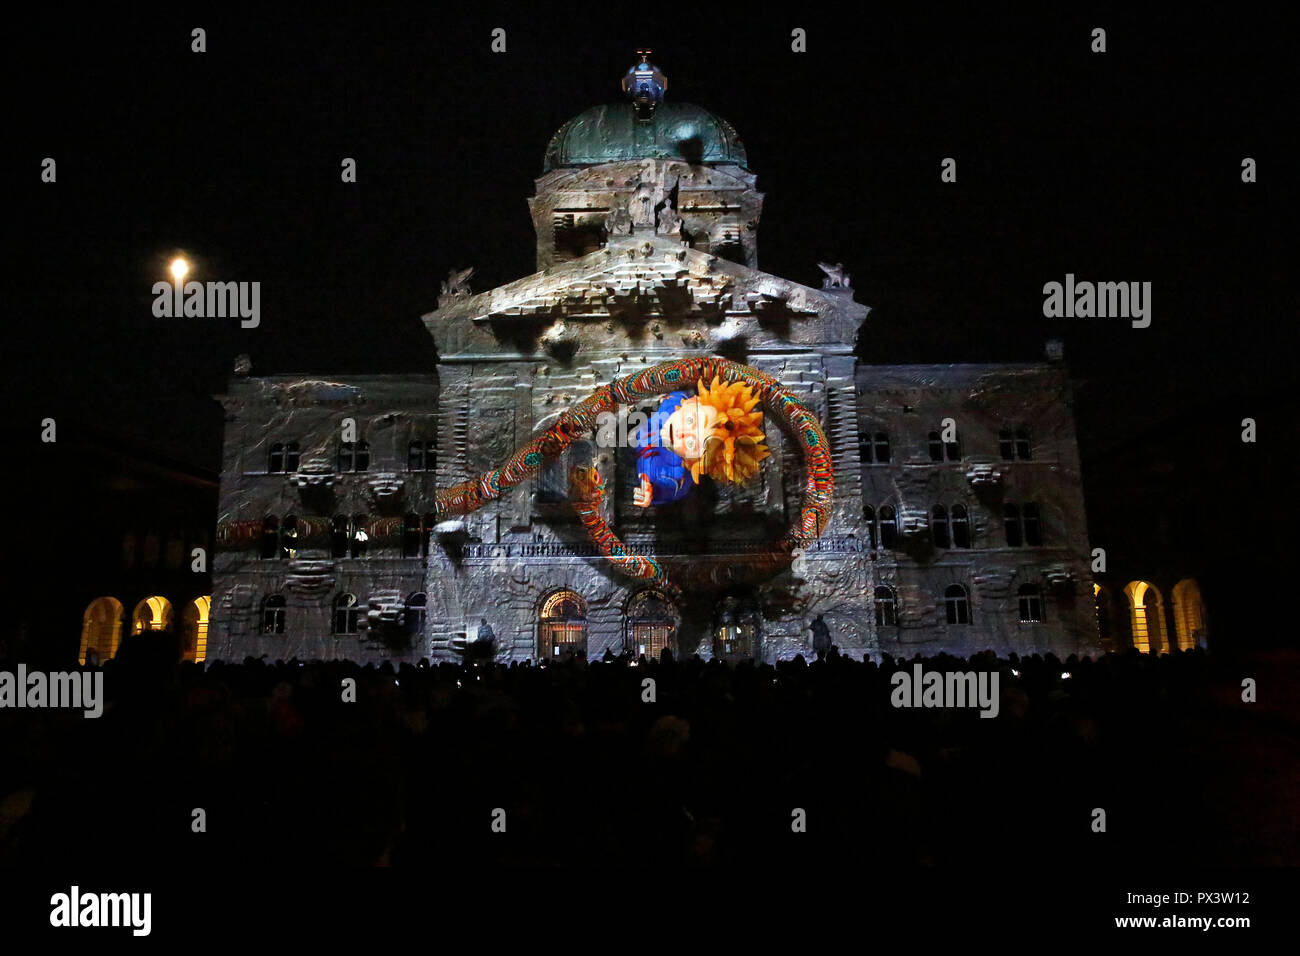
(314, 474)
(385, 487)
(983, 476)
(1059, 579)
(310, 575)
(386, 610)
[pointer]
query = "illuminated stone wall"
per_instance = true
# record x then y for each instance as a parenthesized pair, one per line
(389, 411)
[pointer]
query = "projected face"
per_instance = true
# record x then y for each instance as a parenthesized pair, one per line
(685, 429)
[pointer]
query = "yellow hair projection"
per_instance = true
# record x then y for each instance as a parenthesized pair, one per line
(734, 446)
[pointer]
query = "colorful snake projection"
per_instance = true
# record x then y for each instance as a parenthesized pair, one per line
(588, 490)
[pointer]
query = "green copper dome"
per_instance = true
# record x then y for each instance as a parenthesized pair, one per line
(610, 134)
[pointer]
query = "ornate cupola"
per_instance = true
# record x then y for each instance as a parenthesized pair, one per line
(647, 165)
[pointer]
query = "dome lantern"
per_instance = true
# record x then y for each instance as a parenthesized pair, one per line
(645, 84)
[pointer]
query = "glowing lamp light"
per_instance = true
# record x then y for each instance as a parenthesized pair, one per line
(1065, 675)
(1014, 672)
(180, 269)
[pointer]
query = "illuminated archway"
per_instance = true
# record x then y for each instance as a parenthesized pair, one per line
(152, 614)
(1189, 614)
(101, 628)
(651, 624)
(194, 629)
(562, 629)
(1146, 617)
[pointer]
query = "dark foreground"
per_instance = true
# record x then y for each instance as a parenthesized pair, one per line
(713, 772)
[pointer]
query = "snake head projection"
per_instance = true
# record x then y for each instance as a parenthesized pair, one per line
(710, 424)
(585, 484)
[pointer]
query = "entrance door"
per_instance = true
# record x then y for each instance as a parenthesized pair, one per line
(650, 638)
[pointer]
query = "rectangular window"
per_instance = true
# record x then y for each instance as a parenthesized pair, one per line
(1033, 536)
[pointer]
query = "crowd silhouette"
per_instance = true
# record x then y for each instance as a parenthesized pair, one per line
(802, 761)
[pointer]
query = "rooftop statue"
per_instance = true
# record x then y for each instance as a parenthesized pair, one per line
(836, 277)
(670, 224)
(455, 286)
(457, 283)
(648, 194)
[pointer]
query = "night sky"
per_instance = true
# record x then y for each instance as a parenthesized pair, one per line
(1123, 166)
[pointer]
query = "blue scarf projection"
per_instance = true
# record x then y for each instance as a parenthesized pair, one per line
(670, 477)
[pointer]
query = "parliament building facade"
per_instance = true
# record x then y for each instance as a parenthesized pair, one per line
(957, 522)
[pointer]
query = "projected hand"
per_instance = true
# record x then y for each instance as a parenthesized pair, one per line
(641, 497)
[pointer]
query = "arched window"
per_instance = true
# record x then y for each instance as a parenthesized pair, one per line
(651, 624)
(952, 449)
(128, 550)
(939, 526)
(1011, 524)
(869, 519)
(273, 614)
(1189, 614)
(270, 545)
(347, 614)
(194, 629)
(275, 460)
(562, 631)
(1023, 447)
(152, 614)
(956, 604)
(101, 629)
(291, 456)
(289, 538)
(888, 527)
(1006, 445)
(359, 538)
(416, 611)
(1033, 533)
(936, 447)
(960, 527)
(1031, 604)
(883, 454)
(886, 607)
